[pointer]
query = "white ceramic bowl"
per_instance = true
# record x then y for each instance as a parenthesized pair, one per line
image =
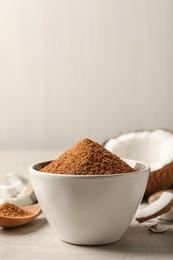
(89, 210)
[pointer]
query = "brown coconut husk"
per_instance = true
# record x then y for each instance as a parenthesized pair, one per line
(160, 179)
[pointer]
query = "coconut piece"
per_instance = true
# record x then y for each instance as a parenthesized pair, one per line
(158, 229)
(7, 191)
(157, 208)
(157, 195)
(155, 148)
(168, 216)
(154, 226)
(151, 223)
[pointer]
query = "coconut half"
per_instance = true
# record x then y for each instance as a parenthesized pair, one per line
(155, 148)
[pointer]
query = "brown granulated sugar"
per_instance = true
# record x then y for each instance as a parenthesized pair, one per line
(87, 158)
(9, 209)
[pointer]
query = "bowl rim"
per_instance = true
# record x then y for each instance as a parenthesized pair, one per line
(32, 169)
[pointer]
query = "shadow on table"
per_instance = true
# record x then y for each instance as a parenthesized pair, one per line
(138, 240)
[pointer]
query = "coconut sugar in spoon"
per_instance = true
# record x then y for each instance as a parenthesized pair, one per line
(8, 221)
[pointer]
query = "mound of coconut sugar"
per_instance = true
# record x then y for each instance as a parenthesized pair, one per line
(87, 158)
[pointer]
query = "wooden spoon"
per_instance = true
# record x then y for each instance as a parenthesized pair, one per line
(9, 222)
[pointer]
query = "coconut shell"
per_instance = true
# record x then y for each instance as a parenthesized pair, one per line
(160, 179)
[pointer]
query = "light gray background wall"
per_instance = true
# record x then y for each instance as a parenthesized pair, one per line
(83, 68)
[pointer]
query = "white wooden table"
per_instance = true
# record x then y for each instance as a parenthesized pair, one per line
(38, 241)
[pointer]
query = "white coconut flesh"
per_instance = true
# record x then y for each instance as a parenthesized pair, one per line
(157, 208)
(155, 148)
(154, 197)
